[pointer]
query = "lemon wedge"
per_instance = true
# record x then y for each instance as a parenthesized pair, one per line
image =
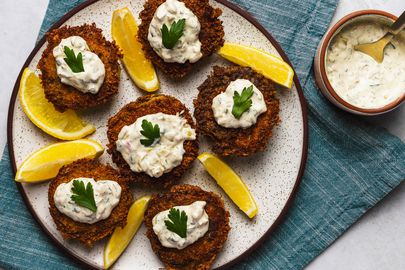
(269, 65)
(230, 182)
(122, 236)
(45, 163)
(124, 32)
(64, 126)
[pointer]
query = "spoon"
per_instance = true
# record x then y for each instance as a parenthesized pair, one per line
(376, 49)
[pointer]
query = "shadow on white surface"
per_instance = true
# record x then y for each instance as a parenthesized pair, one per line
(20, 21)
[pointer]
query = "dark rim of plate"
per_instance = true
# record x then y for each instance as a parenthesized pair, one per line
(288, 204)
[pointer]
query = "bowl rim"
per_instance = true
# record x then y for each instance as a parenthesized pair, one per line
(324, 46)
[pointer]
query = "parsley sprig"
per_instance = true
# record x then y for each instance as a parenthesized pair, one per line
(150, 131)
(83, 196)
(75, 63)
(170, 37)
(242, 102)
(177, 222)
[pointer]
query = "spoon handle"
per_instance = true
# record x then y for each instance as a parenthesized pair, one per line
(398, 24)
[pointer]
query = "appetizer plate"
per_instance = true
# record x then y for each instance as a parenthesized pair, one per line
(272, 176)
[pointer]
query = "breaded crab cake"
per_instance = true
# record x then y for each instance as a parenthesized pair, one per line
(256, 129)
(203, 34)
(85, 232)
(164, 161)
(201, 253)
(104, 74)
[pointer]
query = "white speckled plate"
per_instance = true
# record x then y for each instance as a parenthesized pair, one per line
(272, 176)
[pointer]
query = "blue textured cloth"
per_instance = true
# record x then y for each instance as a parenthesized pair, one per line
(351, 165)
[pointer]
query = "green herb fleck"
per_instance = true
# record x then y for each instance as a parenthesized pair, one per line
(83, 196)
(152, 133)
(170, 37)
(242, 102)
(75, 63)
(177, 222)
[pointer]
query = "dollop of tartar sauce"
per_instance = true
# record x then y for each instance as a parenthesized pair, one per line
(188, 47)
(359, 79)
(222, 106)
(197, 226)
(88, 81)
(163, 155)
(107, 195)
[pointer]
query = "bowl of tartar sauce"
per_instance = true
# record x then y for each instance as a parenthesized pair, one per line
(354, 81)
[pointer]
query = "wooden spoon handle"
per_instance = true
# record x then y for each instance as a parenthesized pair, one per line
(398, 24)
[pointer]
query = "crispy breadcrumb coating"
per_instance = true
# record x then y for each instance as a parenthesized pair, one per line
(150, 104)
(211, 34)
(89, 233)
(65, 96)
(201, 254)
(235, 141)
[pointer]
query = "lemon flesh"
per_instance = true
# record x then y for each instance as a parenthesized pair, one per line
(121, 237)
(124, 31)
(230, 182)
(45, 163)
(269, 65)
(64, 126)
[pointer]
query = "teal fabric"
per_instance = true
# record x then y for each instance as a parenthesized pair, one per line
(351, 165)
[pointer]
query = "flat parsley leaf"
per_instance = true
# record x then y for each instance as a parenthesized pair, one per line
(83, 196)
(75, 63)
(242, 102)
(177, 222)
(152, 133)
(170, 37)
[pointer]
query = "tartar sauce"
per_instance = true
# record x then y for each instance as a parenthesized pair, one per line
(222, 106)
(88, 81)
(197, 226)
(359, 79)
(188, 47)
(107, 195)
(163, 155)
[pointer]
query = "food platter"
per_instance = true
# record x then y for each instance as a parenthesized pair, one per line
(273, 176)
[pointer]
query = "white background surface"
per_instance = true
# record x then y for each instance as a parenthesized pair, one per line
(376, 241)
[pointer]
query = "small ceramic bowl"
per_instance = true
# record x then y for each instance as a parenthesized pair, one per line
(320, 64)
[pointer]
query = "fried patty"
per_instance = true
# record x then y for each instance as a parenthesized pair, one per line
(235, 141)
(202, 253)
(211, 34)
(65, 96)
(150, 104)
(89, 233)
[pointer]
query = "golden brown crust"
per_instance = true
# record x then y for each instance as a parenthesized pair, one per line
(145, 105)
(211, 34)
(232, 141)
(89, 233)
(201, 254)
(66, 97)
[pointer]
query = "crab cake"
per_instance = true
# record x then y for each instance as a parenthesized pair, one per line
(162, 162)
(201, 253)
(246, 135)
(195, 43)
(88, 233)
(95, 84)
